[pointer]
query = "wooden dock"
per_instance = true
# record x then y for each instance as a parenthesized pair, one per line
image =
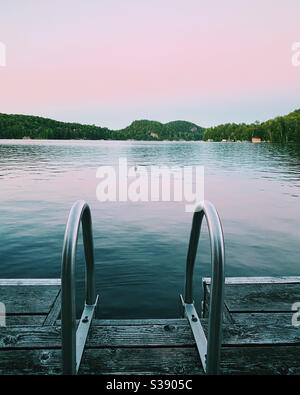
(258, 335)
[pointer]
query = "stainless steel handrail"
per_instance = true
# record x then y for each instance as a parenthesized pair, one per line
(210, 351)
(73, 341)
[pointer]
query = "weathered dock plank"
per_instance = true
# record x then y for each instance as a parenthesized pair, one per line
(30, 362)
(30, 301)
(25, 282)
(247, 296)
(263, 330)
(25, 320)
(54, 311)
(135, 322)
(235, 360)
(105, 361)
(276, 360)
(261, 297)
(30, 337)
(257, 280)
(166, 360)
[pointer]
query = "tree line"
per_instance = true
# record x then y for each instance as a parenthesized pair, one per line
(24, 126)
(278, 130)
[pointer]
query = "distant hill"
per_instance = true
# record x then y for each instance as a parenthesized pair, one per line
(280, 129)
(20, 126)
(153, 130)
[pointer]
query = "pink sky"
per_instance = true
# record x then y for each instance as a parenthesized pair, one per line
(109, 62)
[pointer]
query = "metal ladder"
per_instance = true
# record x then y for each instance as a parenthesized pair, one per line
(209, 349)
(73, 341)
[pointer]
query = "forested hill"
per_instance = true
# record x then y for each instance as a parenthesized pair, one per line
(20, 126)
(281, 129)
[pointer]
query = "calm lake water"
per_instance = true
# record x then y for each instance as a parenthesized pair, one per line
(140, 248)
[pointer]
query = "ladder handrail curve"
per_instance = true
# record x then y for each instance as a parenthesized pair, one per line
(206, 209)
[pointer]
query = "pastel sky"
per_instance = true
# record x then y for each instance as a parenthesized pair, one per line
(109, 62)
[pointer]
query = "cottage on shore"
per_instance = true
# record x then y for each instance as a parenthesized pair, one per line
(256, 140)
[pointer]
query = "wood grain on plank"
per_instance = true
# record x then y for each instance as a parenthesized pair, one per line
(261, 297)
(20, 282)
(28, 299)
(264, 330)
(235, 360)
(258, 280)
(54, 311)
(25, 320)
(257, 297)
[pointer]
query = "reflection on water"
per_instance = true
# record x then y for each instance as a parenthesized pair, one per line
(140, 248)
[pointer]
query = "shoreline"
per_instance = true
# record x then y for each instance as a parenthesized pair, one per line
(146, 141)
